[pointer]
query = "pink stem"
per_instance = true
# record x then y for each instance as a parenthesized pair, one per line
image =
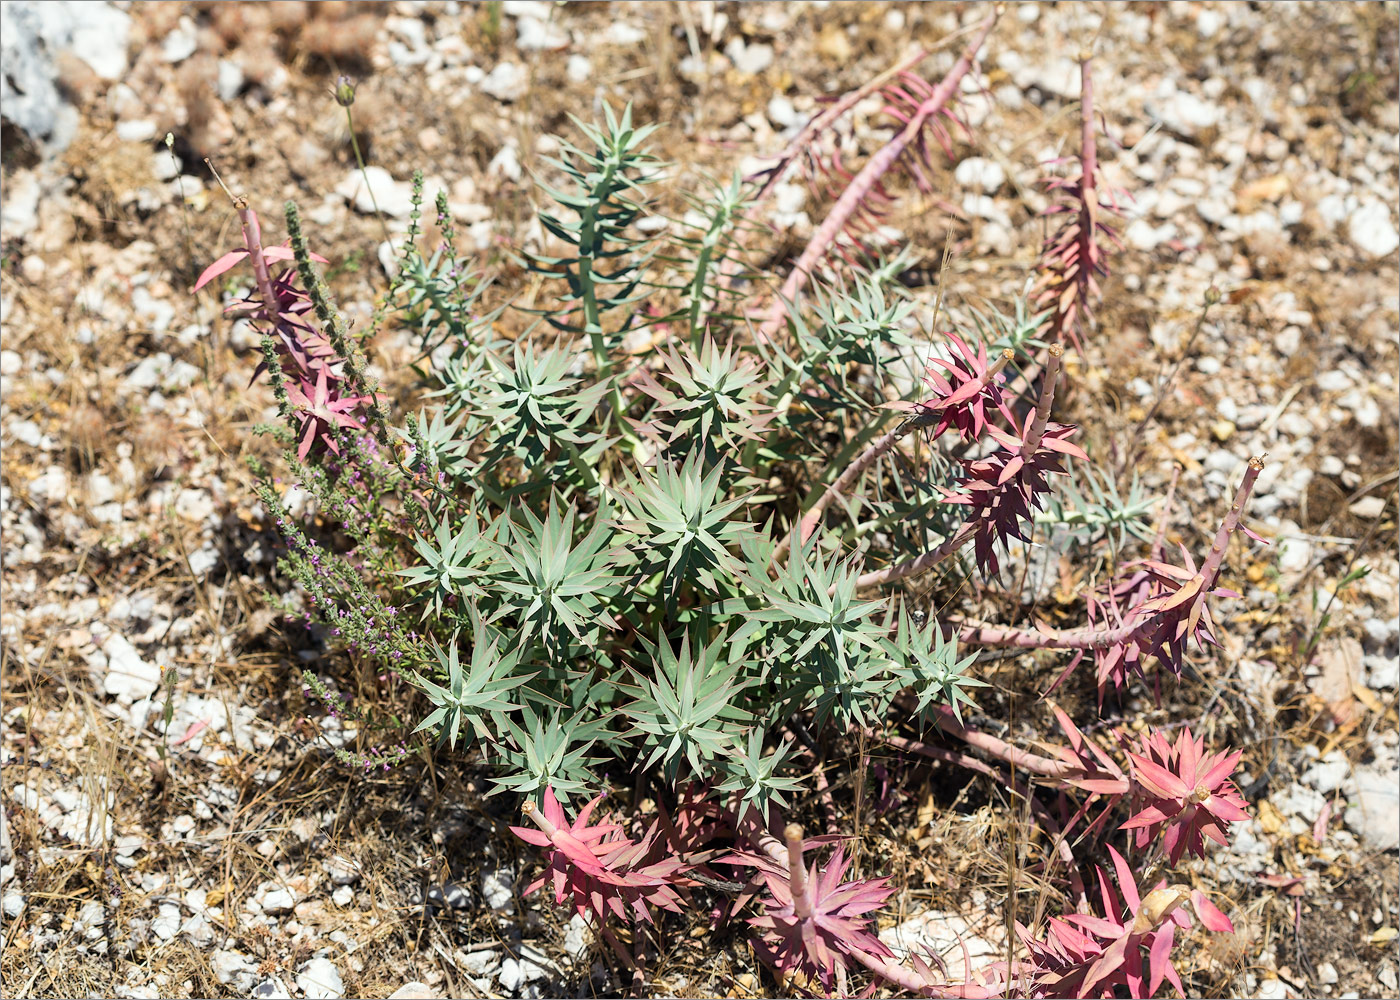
(855, 194)
(539, 819)
(908, 979)
(867, 458)
(986, 742)
(1088, 194)
(821, 123)
(1088, 149)
(1211, 568)
(753, 830)
(252, 240)
(797, 873)
(919, 564)
(1042, 407)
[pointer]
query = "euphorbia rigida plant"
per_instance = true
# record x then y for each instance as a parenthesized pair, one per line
(655, 527)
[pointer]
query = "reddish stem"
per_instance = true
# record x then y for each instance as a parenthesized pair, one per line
(821, 123)
(920, 418)
(908, 979)
(797, 873)
(1088, 148)
(252, 240)
(1042, 407)
(1211, 568)
(919, 564)
(986, 742)
(859, 189)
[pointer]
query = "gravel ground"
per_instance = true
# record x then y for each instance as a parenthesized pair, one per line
(223, 852)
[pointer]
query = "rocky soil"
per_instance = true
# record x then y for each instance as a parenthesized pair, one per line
(174, 823)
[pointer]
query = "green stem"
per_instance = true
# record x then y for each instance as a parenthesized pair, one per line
(355, 145)
(592, 315)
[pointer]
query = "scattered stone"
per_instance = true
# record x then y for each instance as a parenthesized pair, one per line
(506, 82)
(272, 898)
(1382, 672)
(1179, 110)
(136, 130)
(1372, 231)
(272, 988)
(622, 33)
(228, 965)
(394, 198)
(230, 80)
(749, 58)
(781, 111)
(13, 904)
(31, 37)
(451, 896)
(578, 937)
(537, 33)
(341, 870)
(498, 888)
(19, 212)
(579, 68)
(980, 173)
(129, 678)
(506, 163)
(319, 979)
(945, 935)
(415, 991)
(478, 963)
(182, 42)
(1373, 814)
(530, 967)
(1327, 974)
(167, 922)
(1368, 508)
(1327, 775)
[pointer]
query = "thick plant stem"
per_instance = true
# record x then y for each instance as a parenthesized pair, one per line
(1088, 149)
(999, 748)
(1042, 407)
(859, 189)
(919, 564)
(1210, 569)
(922, 416)
(824, 121)
(908, 979)
(804, 139)
(252, 241)
(797, 873)
(834, 492)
